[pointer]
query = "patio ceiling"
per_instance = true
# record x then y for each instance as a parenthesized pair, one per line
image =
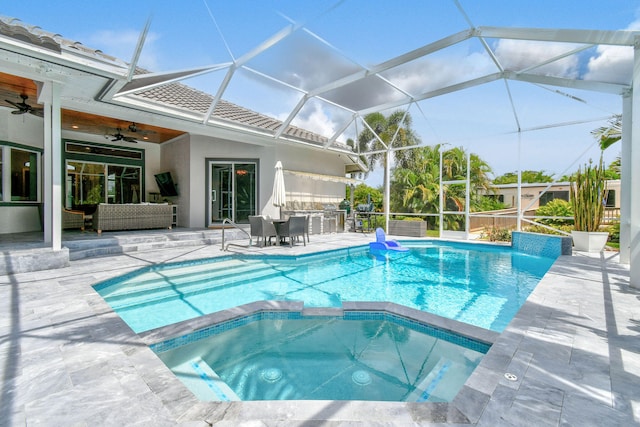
(11, 87)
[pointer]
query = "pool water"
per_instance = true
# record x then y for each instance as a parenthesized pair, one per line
(324, 358)
(480, 284)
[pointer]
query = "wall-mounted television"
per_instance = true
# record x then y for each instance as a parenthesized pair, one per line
(166, 185)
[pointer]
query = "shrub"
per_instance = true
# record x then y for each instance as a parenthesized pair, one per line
(614, 232)
(542, 230)
(556, 207)
(496, 234)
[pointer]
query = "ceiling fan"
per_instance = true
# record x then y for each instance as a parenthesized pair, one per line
(23, 107)
(118, 136)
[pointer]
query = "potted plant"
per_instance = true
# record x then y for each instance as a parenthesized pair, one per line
(588, 192)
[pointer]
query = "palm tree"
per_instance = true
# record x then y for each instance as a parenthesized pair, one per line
(416, 189)
(609, 135)
(397, 125)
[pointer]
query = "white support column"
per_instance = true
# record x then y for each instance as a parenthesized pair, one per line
(50, 96)
(387, 190)
(467, 199)
(441, 197)
(519, 192)
(634, 175)
(625, 172)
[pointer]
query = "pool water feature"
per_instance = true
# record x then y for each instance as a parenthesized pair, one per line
(483, 285)
(359, 356)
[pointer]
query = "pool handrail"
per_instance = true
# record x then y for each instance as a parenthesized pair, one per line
(234, 225)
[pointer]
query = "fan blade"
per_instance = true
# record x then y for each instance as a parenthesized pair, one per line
(18, 106)
(129, 139)
(18, 111)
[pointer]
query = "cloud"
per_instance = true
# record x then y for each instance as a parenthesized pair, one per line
(315, 120)
(612, 63)
(122, 44)
(431, 73)
(520, 54)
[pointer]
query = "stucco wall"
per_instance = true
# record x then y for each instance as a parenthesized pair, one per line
(186, 159)
(25, 129)
(175, 158)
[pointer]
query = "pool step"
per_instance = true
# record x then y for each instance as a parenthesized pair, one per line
(426, 389)
(203, 382)
(154, 280)
(168, 291)
(126, 243)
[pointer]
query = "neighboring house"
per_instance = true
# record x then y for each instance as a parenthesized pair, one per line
(93, 130)
(535, 195)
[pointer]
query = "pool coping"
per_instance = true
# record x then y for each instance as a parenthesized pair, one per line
(182, 329)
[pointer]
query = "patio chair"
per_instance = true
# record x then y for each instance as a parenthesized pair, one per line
(72, 219)
(293, 227)
(261, 228)
(306, 229)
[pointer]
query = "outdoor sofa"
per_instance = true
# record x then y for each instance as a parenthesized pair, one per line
(132, 216)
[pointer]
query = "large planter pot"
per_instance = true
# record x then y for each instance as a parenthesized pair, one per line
(589, 241)
(407, 228)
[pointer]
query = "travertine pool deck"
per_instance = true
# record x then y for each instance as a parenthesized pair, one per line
(67, 360)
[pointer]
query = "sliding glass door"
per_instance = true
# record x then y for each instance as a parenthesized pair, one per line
(233, 191)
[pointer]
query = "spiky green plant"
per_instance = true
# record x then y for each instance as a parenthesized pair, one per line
(588, 197)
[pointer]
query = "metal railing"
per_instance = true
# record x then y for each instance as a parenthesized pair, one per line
(234, 225)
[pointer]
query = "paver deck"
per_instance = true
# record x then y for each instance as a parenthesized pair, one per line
(67, 360)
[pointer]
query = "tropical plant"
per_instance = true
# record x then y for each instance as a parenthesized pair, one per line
(496, 234)
(394, 131)
(609, 135)
(362, 193)
(557, 208)
(416, 189)
(588, 192)
(95, 195)
(487, 203)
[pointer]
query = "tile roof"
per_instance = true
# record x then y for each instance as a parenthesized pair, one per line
(16, 29)
(184, 97)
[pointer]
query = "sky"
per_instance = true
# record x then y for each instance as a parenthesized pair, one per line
(343, 36)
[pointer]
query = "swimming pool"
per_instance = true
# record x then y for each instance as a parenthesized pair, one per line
(289, 356)
(483, 285)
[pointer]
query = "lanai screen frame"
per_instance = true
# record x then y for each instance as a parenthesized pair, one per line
(630, 206)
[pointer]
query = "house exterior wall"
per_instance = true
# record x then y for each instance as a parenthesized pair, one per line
(186, 159)
(26, 131)
(175, 158)
(307, 190)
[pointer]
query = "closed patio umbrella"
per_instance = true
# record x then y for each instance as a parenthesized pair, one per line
(278, 197)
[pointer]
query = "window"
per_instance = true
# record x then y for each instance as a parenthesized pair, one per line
(98, 173)
(551, 195)
(19, 174)
(611, 199)
(92, 183)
